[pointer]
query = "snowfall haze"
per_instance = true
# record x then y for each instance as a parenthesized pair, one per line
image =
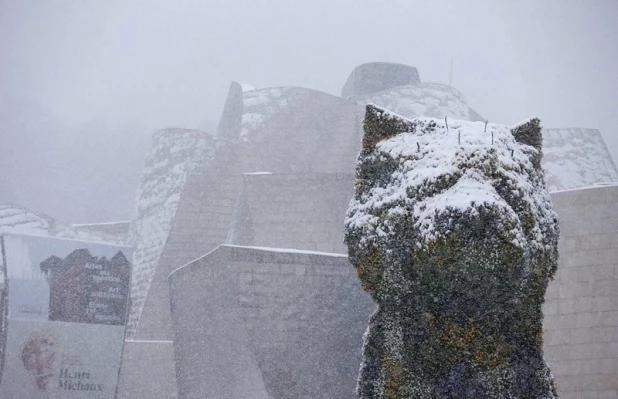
(83, 85)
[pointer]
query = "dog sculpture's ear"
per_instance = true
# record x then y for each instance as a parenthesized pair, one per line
(379, 124)
(529, 133)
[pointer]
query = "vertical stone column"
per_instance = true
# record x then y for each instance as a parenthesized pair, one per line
(581, 309)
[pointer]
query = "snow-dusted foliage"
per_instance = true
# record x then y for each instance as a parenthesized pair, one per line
(453, 234)
(176, 154)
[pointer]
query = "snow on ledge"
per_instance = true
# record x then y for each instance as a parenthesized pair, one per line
(288, 250)
(101, 224)
(592, 187)
(142, 341)
(246, 87)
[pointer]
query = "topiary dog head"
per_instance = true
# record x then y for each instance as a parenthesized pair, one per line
(453, 210)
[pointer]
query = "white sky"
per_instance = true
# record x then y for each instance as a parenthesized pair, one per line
(161, 63)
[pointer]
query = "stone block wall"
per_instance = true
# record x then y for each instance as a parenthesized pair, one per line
(581, 309)
(202, 222)
(377, 76)
(147, 367)
(274, 323)
(302, 211)
(290, 141)
(314, 133)
(175, 156)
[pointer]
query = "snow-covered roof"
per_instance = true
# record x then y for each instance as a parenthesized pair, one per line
(576, 158)
(260, 105)
(250, 114)
(372, 77)
(423, 99)
(19, 220)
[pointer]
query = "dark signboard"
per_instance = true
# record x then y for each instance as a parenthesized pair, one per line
(87, 289)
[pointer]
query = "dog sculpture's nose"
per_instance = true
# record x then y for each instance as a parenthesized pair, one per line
(482, 237)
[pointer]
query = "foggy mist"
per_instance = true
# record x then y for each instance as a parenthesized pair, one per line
(84, 84)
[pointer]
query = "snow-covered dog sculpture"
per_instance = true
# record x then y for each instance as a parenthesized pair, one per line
(453, 234)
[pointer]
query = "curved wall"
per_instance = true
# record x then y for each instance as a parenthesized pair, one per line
(376, 76)
(581, 309)
(424, 99)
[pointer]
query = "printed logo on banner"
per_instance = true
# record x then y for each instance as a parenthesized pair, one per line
(38, 357)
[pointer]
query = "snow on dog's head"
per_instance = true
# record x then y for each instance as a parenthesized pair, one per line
(438, 189)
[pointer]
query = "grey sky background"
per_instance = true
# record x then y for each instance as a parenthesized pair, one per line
(83, 84)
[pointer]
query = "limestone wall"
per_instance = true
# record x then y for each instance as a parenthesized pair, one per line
(581, 309)
(302, 211)
(199, 198)
(257, 323)
(296, 130)
(148, 371)
(201, 223)
(176, 155)
(377, 76)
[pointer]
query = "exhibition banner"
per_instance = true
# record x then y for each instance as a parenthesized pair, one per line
(67, 305)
